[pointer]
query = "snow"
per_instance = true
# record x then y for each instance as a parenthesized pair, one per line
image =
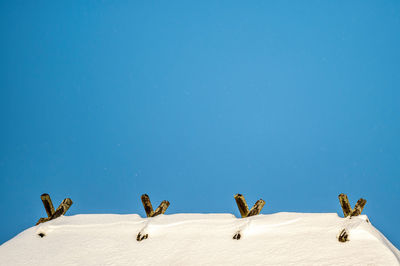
(200, 239)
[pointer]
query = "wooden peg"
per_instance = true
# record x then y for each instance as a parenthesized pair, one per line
(237, 235)
(48, 205)
(162, 208)
(242, 205)
(343, 236)
(63, 208)
(347, 210)
(344, 202)
(359, 207)
(244, 209)
(149, 208)
(257, 208)
(141, 237)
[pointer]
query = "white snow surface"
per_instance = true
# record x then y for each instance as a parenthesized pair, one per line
(200, 239)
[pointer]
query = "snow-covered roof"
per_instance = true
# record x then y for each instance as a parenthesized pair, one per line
(200, 239)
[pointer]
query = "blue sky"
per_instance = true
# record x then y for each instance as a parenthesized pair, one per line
(102, 101)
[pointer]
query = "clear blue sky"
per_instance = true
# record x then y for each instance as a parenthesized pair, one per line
(194, 102)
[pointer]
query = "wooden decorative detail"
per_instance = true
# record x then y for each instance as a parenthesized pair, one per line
(344, 202)
(343, 236)
(237, 235)
(162, 208)
(51, 213)
(242, 205)
(141, 237)
(244, 209)
(48, 205)
(143, 234)
(359, 207)
(347, 210)
(149, 208)
(257, 208)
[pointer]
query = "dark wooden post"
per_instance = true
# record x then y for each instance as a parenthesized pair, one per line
(359, 207)
(244, 209)
(149, 208)
(63, 208)
(257, 208)
(48, 205)
(347, 210)
(242, 205)
(344, 202)
(162, 208)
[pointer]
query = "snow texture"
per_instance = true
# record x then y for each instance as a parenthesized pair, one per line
(200, 239)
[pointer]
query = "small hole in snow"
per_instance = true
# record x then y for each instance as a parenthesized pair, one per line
(41, 235)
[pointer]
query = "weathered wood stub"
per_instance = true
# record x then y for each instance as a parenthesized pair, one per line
(256, 209)
(48, 205)
(244, 209)
(343, 236)
(51, 213)
(242, 205)
(141, 237)
(148, 208)
(161, 208)
(237, 235)
(347, 210)
(359, 207)
(344, 202)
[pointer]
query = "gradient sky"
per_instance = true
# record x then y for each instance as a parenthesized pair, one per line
(102, 101)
